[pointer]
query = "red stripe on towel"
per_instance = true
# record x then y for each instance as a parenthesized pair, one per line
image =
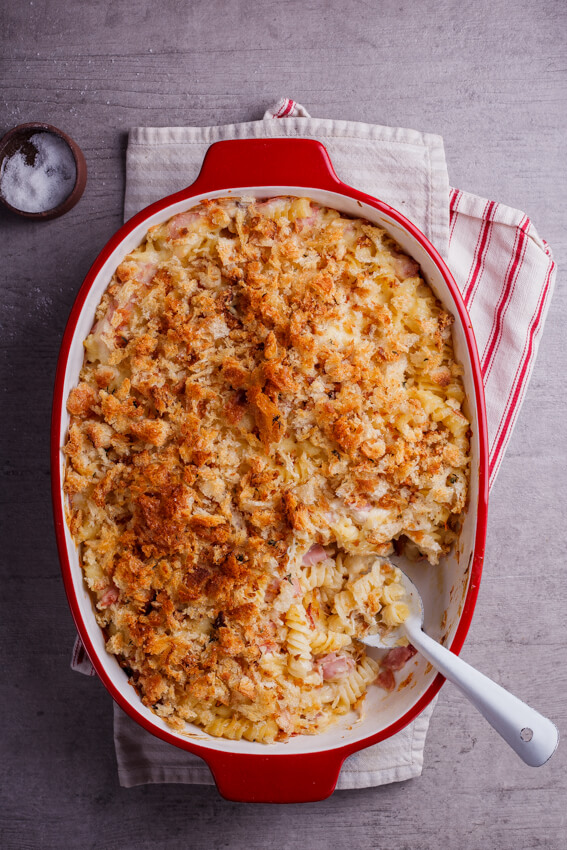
(480, 254)
(519, 385)
(454, 198)
(514, 267)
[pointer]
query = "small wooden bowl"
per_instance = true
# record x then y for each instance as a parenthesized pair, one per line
(16, 139)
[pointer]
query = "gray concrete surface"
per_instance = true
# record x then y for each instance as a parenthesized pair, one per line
(491, 77)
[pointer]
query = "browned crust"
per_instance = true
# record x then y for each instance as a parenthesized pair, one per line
(245, 376)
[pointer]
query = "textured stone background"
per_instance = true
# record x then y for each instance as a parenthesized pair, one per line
(491, 77)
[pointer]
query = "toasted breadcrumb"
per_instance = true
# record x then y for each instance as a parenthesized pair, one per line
(269, 401)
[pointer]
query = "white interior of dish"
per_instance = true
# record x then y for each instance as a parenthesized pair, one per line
(443, 588)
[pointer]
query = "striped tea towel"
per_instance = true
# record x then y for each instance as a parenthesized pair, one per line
(504, 270)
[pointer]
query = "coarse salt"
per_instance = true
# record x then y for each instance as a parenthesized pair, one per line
(46, 183)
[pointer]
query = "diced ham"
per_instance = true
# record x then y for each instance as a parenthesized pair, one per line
(397, 657)
(103, 326)
(109, 597)
(405, 266)
(285, 721)
(393, 660)
(272, 589)
(333, 666)
(314, 555)
(115, 317)
(106, 330)
(142, 274)
(179, 224)
(360, 514)
(385, 679)
(297, 591)
(145, 274)
(302, 223)
(266, 644)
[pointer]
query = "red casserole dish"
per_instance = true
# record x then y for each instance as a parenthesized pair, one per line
(307, 767)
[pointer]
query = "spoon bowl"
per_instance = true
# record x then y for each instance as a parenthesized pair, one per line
(393, 637)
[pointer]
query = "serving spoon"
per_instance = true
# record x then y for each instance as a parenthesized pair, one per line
(531, 735)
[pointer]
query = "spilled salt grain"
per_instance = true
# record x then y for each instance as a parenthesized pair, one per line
(42, 181)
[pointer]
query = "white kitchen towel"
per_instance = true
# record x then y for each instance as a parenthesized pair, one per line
(504, 270)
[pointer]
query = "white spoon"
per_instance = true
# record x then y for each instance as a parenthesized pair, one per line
(533, 737)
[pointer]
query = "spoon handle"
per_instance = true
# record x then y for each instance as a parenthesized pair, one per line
(531, 735)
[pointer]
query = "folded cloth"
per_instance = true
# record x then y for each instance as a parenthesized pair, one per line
(504, 270)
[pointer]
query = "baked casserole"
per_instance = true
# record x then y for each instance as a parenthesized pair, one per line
(269, 405)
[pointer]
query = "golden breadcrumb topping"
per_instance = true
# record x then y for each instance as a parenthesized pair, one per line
(269, 403)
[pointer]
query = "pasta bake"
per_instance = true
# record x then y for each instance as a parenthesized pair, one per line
(269, 406)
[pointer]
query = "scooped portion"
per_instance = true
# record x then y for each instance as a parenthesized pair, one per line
(269, 402)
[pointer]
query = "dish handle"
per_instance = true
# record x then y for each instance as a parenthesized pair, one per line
(297, 778)
(240, 163)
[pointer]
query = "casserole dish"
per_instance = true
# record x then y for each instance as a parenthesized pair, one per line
(305, 768)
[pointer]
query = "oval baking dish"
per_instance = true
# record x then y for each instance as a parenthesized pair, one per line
(305, 768)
